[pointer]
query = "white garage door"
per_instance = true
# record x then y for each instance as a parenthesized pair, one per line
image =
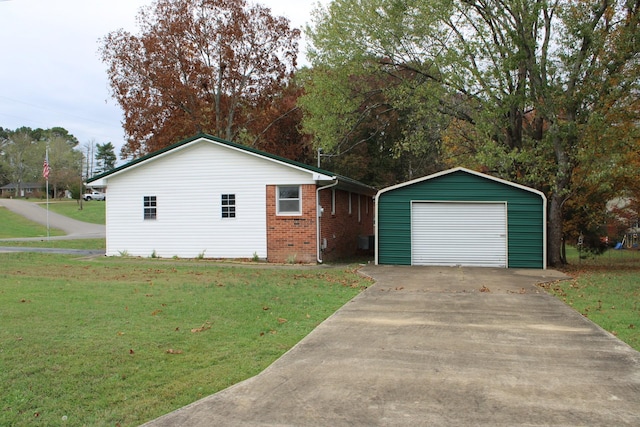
(466, 234)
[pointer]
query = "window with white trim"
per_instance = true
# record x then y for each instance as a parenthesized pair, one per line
(150, 207)
(228, 205)
(289, 200)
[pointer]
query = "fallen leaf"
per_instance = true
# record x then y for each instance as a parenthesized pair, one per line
(131, 351)
(265, 308)
(120, 333)
(172, 351)
(204, 327)
(156, 312)
(281, 320)
(484, 289)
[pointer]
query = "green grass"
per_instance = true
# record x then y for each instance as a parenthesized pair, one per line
(606, 289)
(612, 258)
(119, 341)
(93, 211)
(609, 299)
(14, 225)
(62, 244)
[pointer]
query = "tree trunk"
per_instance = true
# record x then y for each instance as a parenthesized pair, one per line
(559, 194)
(554, 231)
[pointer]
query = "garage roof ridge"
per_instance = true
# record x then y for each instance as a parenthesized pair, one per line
(457, 169)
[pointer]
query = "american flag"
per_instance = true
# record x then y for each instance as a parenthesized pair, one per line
(46, 169)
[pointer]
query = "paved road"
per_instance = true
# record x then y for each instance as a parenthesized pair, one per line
(440, 347)
(34, 212)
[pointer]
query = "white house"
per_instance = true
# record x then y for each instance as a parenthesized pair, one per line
(205, 196)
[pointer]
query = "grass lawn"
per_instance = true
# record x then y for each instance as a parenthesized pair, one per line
(606, 289)
(62, 244)
(119, 341)
(14, 225)
(93, 211)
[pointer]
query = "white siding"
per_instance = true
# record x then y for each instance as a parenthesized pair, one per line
(467, 234)
(188, 184)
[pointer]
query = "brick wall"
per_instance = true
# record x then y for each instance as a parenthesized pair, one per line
(342, 228)
(292, 238)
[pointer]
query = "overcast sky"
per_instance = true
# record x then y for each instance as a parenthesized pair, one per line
(50, 70)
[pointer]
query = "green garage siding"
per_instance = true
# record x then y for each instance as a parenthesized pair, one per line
(525, 214)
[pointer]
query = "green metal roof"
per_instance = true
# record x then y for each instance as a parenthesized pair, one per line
(345, 181)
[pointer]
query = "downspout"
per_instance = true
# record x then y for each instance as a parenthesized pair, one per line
(318, 238)
(375, 228)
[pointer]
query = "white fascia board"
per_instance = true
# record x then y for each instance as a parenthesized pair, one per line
(99, 183)
(318, 177)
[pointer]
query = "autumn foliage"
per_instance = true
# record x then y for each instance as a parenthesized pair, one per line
(213, 66)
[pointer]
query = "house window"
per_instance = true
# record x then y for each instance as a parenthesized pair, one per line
(150, 207)
(228, 206)
(289, 200)
(350, 211)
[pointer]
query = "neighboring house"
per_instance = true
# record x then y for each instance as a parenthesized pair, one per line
(205, 196)
(27, 189)
(623, 226)
(460, 217)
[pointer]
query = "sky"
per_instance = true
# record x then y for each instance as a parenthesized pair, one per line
(50, 70)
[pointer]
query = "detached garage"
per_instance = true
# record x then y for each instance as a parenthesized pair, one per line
(461, 217)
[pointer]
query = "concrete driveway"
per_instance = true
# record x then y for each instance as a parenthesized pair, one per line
(430, 346)
(37, 213)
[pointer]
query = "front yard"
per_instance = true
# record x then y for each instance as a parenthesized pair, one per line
(119, 341)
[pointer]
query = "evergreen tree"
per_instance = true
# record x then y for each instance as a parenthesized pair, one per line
(105, 157)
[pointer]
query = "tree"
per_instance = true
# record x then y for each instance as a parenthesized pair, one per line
(24, 151)
(105, 157)
(66, 165)
(274, 125)
(22, 158)
(530, 90)
(350, 112)
(197, 66)
(89, 153)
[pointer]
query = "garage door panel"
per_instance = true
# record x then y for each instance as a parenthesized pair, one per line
(469, 234)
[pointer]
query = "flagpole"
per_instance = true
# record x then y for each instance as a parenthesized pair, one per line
(46, 176)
